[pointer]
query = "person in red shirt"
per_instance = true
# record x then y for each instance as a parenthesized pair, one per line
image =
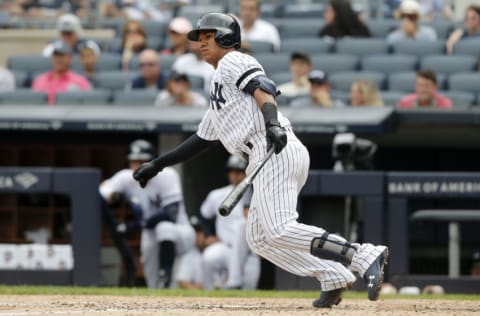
(426, 94)
(60, 78)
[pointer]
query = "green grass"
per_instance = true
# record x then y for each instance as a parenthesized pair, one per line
(57, 290)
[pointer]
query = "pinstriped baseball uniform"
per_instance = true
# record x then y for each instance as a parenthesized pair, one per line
(235, 119)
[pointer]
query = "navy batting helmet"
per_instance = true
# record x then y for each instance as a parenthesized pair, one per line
(141, 149)
(236, 163)
(225, 26)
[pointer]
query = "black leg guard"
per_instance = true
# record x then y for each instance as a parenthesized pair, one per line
(165, 262)
(332, 247)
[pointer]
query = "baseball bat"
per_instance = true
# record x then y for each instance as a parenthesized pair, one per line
(232, 199)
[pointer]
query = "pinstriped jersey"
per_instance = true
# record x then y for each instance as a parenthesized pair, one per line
(234, 116)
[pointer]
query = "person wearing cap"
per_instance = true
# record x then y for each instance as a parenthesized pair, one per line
(300, 67)
(320, 92)
(60, 78)
(151, 76)
(410, 28)
(177, 34)
(178, 93)
(255, 28)
(71, 32)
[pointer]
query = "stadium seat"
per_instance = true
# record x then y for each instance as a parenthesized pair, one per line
(134, 97)
(93, 97)
(196, 82)
(193, 12)
(106, 62)
(274, 62)
(361, 46)
(21, 79)
(381, 27)
(23, 97)
(343, 80)
(467, 81)
(460, 99)
(335, 62)
(166, 62)
(30, 63)
(281, 77)
(303, 10)
(113, 80)
(443, 64)
(442, 27)
(405, 81)
(418, 48)
(343, 96)
(388, 63)
(260, 47)
(297, 27)
(309, 45)
(391, 98)
(467, 47)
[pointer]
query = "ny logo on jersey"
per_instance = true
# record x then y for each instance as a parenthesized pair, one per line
(216, 99)
(155, 201)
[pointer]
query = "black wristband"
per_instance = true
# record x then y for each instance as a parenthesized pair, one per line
(270, 114)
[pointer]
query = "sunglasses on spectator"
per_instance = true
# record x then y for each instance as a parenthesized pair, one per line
(411, 17)
(148, 64)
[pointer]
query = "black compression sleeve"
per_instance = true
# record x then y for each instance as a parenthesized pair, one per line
(270, 114)
(186, 150)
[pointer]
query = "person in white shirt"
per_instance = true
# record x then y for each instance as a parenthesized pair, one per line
(300, 66)
(178, 93)
(254, 28)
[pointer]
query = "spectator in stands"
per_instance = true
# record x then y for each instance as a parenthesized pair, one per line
(71, 32)
(300, 67)
(134, 41)
(36, 8)
(410, 28)
(471, 30)
(254, 28)
(319, 92)
(7, 80)
(177, 33)
(151, 76)
(88, 59)
(426, 95)
(60, 78)
(341, 20)
(365, 93)
(193, 64)
(178, 93)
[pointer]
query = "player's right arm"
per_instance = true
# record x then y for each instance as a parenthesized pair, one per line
(186, 150)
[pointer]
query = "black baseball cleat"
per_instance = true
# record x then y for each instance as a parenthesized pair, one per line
(328, 298)
(374, 275)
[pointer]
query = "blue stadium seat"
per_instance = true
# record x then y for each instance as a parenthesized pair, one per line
(304, 10)
(460, 99)
(93, 97)
(274, 62)
(113, 80)
(381, 27)
(193, 12)
(309, 45)
(389, 63)
(442, 27)
(418, 48)
(391, 98)
(281, 77)
(361, 46)
(106, 62)
(196, 82)
(134, 97)
(467, 81)
(444, 64)
(467, 47)
(30, 63)
(335, 62)
(297, 27)
(343, 80)
(258, 47)
(23, 97)
(343, 96)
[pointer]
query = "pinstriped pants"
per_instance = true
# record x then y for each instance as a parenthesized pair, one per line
(272, 228)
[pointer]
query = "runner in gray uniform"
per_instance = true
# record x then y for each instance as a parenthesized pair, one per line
(243, 116)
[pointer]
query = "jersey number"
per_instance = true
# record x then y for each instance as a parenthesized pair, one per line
(216, 99)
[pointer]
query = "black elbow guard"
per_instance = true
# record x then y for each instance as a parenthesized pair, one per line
(263, 83)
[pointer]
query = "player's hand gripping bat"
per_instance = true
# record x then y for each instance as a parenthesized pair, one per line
(232, 199)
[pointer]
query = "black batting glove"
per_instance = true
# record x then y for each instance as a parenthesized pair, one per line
(276, 136)
(145, 172)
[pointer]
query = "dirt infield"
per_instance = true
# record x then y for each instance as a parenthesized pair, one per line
(194, 306)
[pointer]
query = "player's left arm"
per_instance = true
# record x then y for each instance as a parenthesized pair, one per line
(264, 91)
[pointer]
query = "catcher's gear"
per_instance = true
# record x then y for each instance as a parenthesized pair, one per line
(236, 163)
(141, 149)
(225, 26)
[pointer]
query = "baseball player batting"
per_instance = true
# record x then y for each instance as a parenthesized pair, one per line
(244, 117)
